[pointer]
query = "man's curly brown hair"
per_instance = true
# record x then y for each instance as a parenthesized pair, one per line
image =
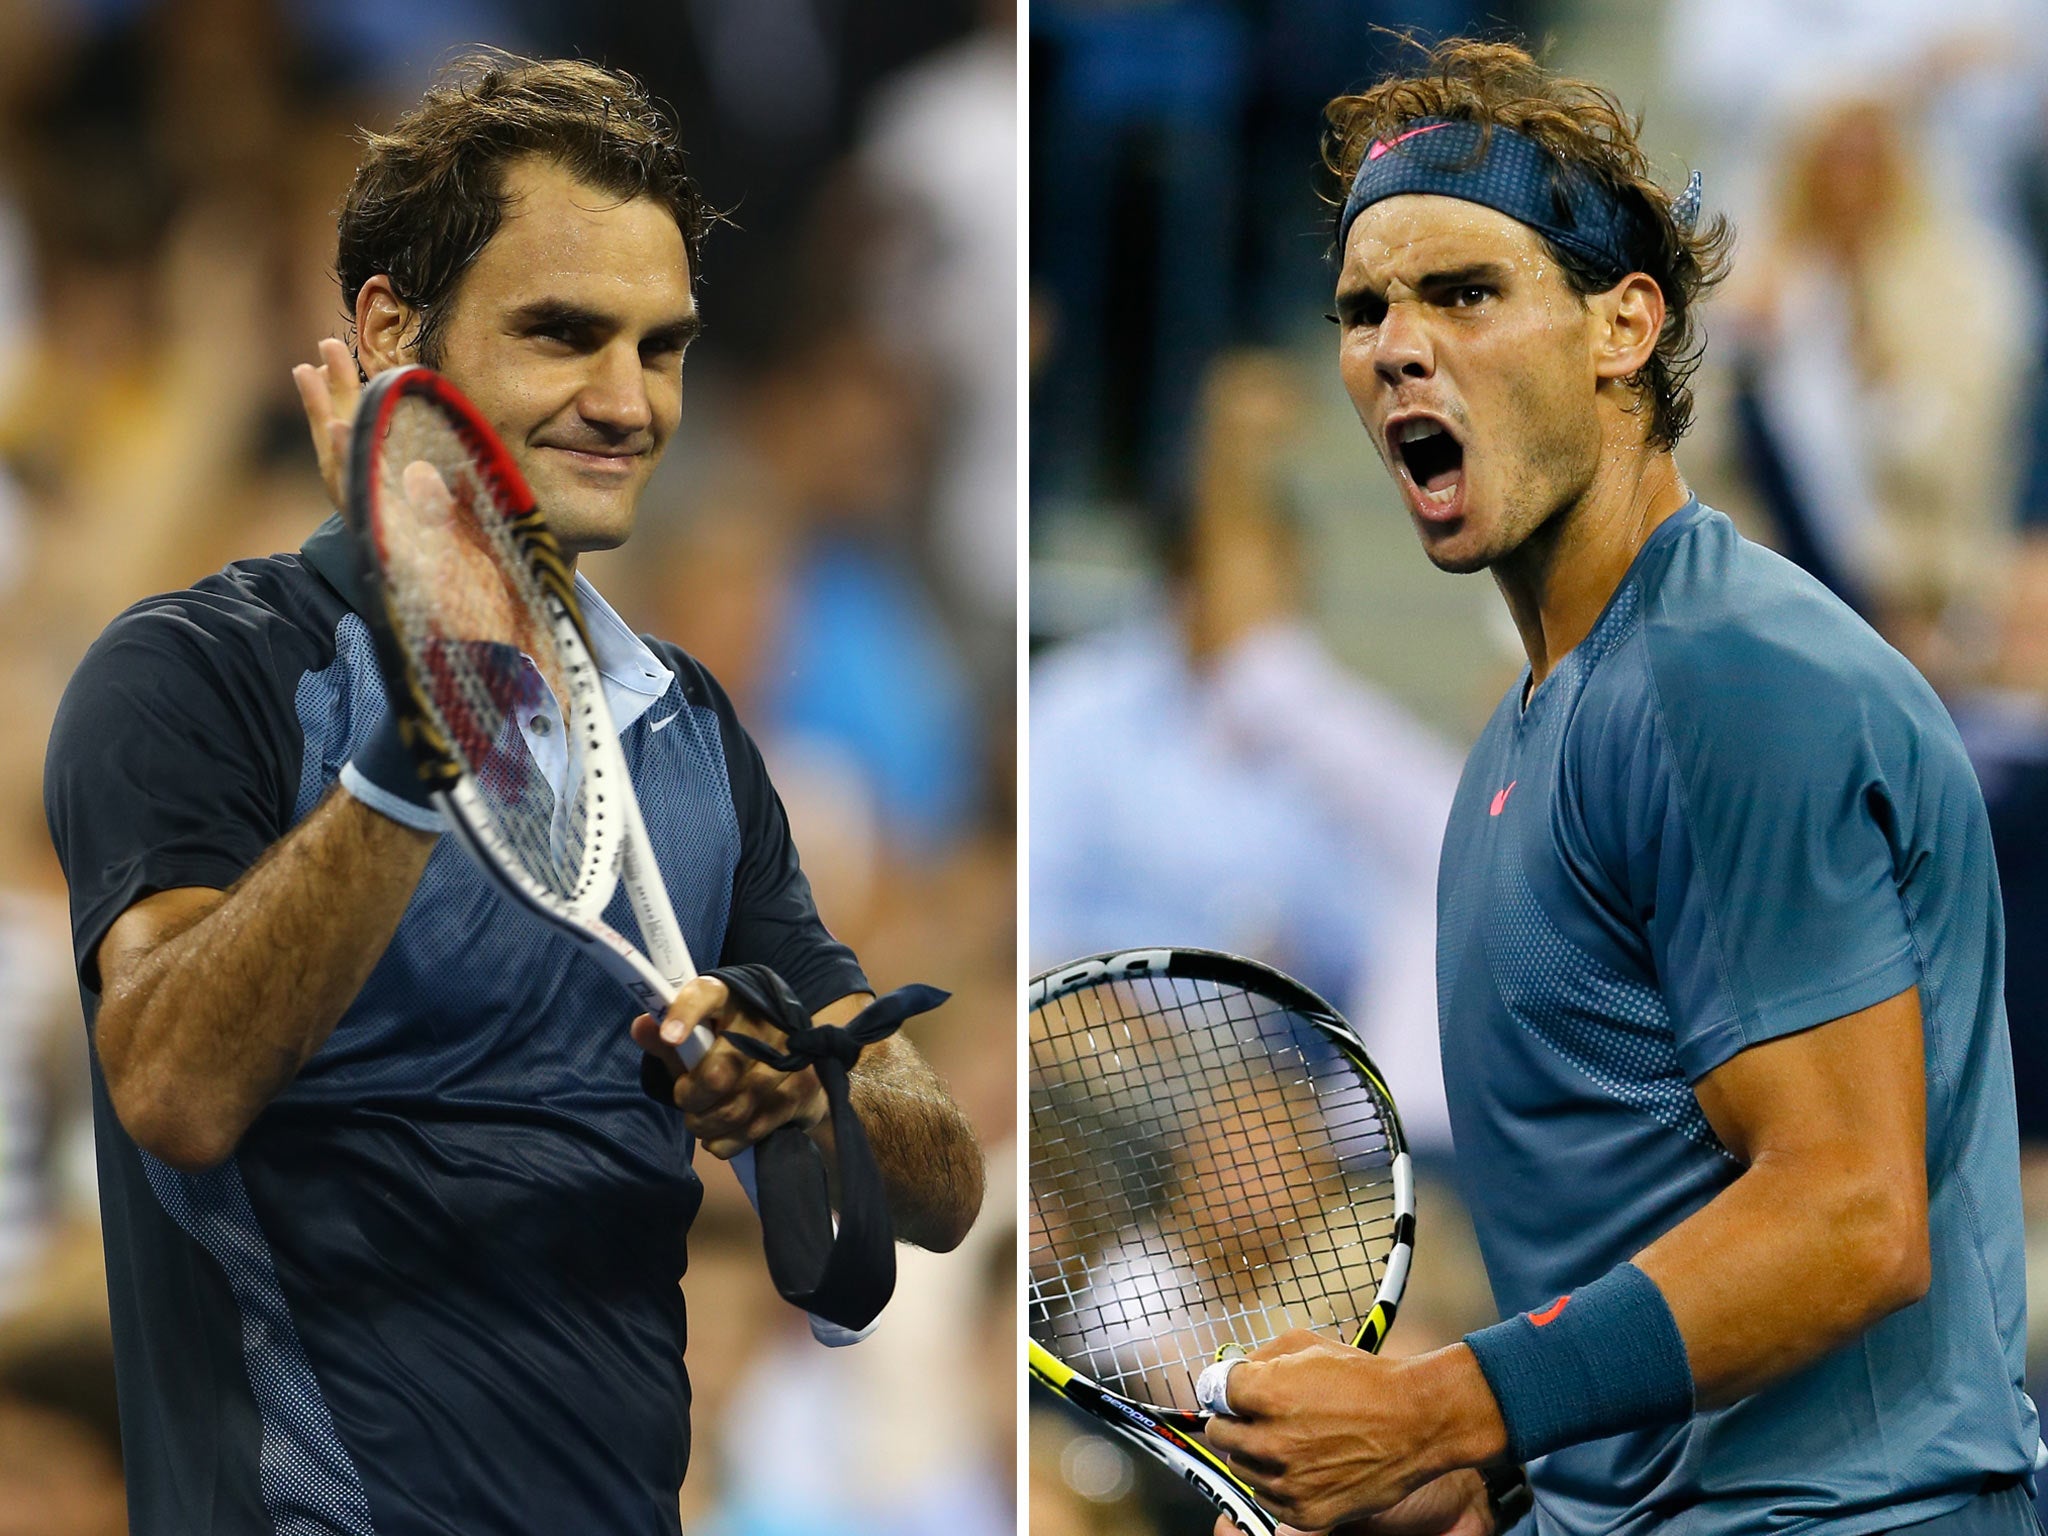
(1589, 131)
(430, 192)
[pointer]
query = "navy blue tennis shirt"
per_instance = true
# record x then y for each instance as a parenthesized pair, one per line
(1730, 814)
(435, 1288)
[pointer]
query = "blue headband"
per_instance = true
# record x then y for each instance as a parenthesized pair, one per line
(1516, 176)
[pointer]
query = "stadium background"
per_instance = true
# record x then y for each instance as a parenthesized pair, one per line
(833, 532)
(1212, 534)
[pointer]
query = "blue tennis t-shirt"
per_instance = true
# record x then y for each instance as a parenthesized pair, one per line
(434, 1290)
(1732, 813)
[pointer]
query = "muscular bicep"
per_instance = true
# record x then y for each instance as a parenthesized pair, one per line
(1854, 1088)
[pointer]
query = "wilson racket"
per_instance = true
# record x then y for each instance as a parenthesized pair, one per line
(1214, 1161)
(488, 669)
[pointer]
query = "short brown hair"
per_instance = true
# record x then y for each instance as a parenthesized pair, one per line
(1589, 131)
(430, 193)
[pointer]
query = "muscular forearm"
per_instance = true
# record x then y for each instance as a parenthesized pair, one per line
(1793, 1259)
(203, 1021)
(931, 1165)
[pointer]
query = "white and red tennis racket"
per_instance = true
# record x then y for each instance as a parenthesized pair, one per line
(476, 623)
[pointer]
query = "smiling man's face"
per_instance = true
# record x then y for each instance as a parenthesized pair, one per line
(1469, 360)
(568, 333)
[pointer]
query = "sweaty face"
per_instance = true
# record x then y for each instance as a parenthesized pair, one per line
(568, 333)
(1467, 357)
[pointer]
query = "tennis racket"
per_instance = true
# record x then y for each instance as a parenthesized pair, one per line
(483, 648)
(1214, 1161)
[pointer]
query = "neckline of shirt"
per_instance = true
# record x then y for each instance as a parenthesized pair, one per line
(634, 677)
(1526, 697)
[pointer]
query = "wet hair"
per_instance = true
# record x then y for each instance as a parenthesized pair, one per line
(1590, 134)
(430, 192)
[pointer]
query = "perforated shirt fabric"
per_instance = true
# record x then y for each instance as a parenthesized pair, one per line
(1732, 813)
(435, 1287)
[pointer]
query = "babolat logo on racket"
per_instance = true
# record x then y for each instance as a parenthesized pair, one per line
(1127, 966)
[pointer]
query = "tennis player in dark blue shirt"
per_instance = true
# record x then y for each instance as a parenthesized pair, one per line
(1720, 948)
(393, 1233)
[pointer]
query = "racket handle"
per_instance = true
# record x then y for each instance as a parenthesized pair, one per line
(1212, 1388)
(695, 1045)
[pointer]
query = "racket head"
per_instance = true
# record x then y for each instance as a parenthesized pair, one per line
(473, 612)
(1214, 1160)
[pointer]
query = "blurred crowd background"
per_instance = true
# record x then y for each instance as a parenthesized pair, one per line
(1212, 534)
(833, 531)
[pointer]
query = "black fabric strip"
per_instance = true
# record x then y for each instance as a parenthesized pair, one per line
(849, 1277)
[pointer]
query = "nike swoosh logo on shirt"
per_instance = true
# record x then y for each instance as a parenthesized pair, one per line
(1500, 801)
(668, 720)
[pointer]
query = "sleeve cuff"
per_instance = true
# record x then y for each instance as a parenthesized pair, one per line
(1711, 1047)
(384, 803)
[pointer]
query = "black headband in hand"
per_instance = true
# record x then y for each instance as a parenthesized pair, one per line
(845, 1277)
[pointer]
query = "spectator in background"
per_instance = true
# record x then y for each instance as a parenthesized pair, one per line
(940, 152)
(1210, 775)
(806, 582)
(1139, 116)
(1886, 464)
(1749, 71)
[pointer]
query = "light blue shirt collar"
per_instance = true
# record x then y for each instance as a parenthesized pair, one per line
(634, 677)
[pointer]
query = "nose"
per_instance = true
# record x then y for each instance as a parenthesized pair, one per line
(615, 394)
(1402, 347)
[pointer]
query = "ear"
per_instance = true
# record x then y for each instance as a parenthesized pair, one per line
(387, 328)
(1627, 320)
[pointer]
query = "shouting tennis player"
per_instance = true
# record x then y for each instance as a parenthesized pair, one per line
(1720, 949)
(393, 1234)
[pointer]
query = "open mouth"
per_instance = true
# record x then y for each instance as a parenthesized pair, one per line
(1434, 459)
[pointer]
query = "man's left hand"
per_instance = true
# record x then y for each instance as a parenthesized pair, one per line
(1324, 1434)
(730, 1101)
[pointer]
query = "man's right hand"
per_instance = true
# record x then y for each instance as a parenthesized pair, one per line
(1453, 1505)
(330, 391)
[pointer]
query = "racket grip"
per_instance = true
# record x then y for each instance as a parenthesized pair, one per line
(1212, 1387)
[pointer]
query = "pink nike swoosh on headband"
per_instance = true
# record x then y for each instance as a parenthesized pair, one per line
(1381, 146)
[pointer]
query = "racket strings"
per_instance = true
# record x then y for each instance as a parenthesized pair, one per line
(1206, 1169)
(479, 628)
